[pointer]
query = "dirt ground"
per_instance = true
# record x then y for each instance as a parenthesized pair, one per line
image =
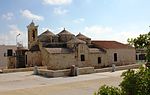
(24, 83)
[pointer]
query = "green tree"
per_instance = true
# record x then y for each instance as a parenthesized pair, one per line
(129, 82)
(108, 90)
(130, 41)
(135, 82)
(142, 41)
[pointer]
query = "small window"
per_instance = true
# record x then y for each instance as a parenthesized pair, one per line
(33, 35)
(115, 57)
(142, 57)
(136, 57)
(99, 60)
(53, 40)
(82, 58)
(9, 52)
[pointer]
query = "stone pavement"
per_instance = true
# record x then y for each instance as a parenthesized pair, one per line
(24, 83)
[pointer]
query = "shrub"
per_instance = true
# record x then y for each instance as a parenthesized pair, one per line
(135, 82)
(108, 90)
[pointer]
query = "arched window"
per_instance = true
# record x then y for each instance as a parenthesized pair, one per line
(115, 57)
(33, 35)
(82, 57)
(99, 60)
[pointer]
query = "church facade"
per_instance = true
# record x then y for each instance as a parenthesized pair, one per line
(62, 50)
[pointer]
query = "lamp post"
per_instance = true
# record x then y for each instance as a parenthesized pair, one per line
(16, 38)
(16, 46)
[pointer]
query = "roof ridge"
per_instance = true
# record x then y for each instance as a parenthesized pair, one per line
(64, 31)
(111, 44)
(80, 34)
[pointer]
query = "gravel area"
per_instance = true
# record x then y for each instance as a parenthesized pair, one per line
(24, 83)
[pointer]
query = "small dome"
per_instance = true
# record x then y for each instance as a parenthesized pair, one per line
(46, 36)
(81, 36)
(47, 32)
(76, 41)
(64, 32)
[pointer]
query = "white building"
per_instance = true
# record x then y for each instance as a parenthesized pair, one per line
(5, 52)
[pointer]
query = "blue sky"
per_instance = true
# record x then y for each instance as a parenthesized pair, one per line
(98, 19)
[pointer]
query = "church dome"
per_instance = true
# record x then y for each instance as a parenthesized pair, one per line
(65, 36)
(65, 32)
(81, 36)
(46, 36)
(76, 41)
(84, 38)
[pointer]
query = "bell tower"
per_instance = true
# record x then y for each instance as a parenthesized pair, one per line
(32, 33)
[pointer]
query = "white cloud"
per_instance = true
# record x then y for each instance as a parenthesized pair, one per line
(28, 14)
(124, 35)
(79, 20)
(57, 2)
(14, 30)
(97, 29)
(60, 11)
(97, 32)
(44, 29)
(8, 16)
(10, 36)
(41, 30)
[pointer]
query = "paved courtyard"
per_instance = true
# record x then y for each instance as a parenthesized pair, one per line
(24, 83)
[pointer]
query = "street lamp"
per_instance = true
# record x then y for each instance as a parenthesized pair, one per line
(16, 38)
(16, 46)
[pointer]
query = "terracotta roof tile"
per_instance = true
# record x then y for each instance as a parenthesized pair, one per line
(111, 45)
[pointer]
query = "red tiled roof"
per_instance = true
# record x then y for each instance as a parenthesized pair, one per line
(111, 45)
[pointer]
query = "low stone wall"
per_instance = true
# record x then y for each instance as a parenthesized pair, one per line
(52, 73)
(86, 70)
(103, 70)
(65, 72)
(20, 69)
(133, 66)
(117, 68)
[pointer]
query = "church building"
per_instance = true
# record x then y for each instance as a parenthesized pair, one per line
(62, 50)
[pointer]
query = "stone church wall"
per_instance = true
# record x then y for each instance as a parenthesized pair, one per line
(34, 58)
(60, 61)
(124, 56)
(93, 60)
